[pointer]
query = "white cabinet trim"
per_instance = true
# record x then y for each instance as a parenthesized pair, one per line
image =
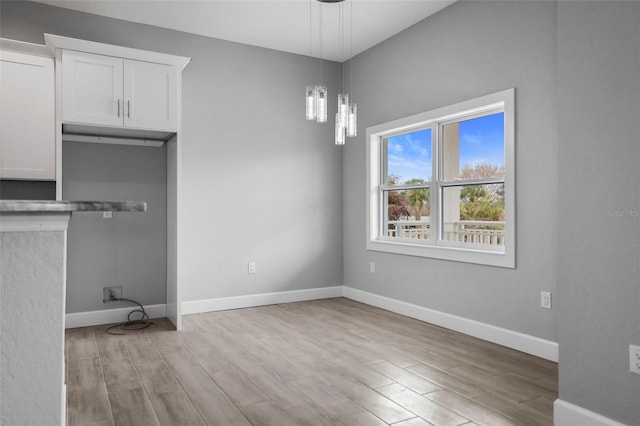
(18, 46)
(59, 42)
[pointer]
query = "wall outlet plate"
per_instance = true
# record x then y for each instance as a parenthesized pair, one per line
(251, 268)
(372, 267)
(106, 293)
(545, 299)
(634, 359)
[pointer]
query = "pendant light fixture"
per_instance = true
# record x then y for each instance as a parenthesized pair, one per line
(316, 96)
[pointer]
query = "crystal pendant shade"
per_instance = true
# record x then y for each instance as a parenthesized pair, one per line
(311, 103)
(343, 108)
(321, 104)
(352, 121)
(340, 131)
(316, 101)
(346, 119)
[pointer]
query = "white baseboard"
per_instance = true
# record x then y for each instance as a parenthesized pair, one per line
(110, 316)
(529, 344)
(568, 414)
(523, 342)
(250, 300)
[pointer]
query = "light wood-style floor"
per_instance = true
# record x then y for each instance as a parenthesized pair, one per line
(323, 362)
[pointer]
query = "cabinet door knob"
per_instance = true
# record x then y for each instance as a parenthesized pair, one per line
(118, 107)
(128, 109)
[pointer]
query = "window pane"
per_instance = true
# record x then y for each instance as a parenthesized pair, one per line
(474, 214)
(474, 149)
(408, 158)
(406, 213)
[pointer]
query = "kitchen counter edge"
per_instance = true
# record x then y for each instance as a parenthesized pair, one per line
(51, 206)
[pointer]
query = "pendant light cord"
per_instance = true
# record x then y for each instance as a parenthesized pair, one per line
(310, 32)
(351, 47)
(320, 45)
(341, 41)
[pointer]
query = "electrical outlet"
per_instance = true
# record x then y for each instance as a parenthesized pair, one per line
(251, 267)
(545, 299)
(634, 359)
(107, 215)
(107, 292)
(372, 267)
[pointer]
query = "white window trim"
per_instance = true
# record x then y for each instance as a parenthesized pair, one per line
(374, 137)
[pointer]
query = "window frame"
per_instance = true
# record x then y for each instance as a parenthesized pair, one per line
(435, 247)
(403, 187)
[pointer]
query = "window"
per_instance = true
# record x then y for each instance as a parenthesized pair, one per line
(441, 183)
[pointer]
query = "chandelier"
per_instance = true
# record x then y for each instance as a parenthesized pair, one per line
(317, 96)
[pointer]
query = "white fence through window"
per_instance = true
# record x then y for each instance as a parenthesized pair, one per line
(466, 231)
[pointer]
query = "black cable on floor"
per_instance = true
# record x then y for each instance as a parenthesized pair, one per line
(131, 325)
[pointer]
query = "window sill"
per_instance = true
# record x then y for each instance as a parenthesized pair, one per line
(456, 254)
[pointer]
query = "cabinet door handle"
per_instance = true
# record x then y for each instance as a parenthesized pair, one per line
(128, 109)
(118, 107)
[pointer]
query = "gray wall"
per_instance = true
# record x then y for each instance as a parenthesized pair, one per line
(598, 176)
(259, 182)
(467, 50)
(27, 190)
(128, 250)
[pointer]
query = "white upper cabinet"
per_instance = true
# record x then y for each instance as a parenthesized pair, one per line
(27, 117)
(92, 89)
(150, 93)
(110, 91)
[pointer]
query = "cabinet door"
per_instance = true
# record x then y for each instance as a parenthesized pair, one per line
(27, 117)
(92, 89)
(150, 95)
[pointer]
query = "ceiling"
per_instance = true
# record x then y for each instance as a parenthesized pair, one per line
(286, 25)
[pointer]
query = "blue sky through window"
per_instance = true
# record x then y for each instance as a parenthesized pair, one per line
(481, 141)
(409, 156)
